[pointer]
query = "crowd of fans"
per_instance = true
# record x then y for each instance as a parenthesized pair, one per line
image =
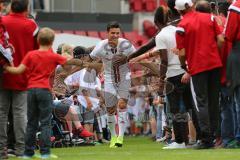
(183, 89)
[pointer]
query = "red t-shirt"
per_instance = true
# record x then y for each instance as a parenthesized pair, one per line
(22, 32)
(232, 31)
(40, 65)
(197, 33)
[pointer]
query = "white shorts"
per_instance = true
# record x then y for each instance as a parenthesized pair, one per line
(113, 92)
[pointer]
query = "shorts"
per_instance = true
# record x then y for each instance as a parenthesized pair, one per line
(113, 92)
(60, 110)
(88, 117)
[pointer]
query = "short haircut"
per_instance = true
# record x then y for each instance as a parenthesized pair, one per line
(19, 6)
(45, 36)
(80, 51)
(223, 8)
(174, 14)
(113, 24)
(161, 15)
(203, 6)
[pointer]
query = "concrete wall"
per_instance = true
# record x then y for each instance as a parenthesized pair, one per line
(88, 6)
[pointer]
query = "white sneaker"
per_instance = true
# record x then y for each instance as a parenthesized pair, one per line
(161, 139)
(175, 145)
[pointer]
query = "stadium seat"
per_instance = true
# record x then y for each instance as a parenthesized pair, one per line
(135, 38)
(81, 33)
(93, 34)
(162, 3)
(68, 31)
(57, 31)
(149, 28)
(149, 5)
(136, 5)
(103, 34)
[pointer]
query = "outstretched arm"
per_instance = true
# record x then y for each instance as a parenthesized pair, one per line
(15, 70)
(151, 43)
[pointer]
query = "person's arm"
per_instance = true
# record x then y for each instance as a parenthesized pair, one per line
(76, 62)
(152, 66)
(151, 44)
(163, 70)
(15, 70)
(219, 35)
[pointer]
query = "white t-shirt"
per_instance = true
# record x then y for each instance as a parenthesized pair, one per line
(104, 52)
(89, 81)
(165, 39)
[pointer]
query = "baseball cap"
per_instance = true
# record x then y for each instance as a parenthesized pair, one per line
(180, 4)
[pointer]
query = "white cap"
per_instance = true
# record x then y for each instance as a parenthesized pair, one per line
(180, 4)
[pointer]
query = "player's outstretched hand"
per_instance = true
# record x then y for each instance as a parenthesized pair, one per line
(119, 60)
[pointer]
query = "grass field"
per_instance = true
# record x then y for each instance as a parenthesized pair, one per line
(141, 148)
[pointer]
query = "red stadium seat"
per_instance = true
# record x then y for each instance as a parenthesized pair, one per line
(162, 3)
(68, 31)
(93, 34)
(81, 33)
(103, 34)
(57, 31)
(135, 38)
(149, 5)
(136, 5)
(149, 28)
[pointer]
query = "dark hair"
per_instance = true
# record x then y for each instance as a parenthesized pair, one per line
(174, 14)
(80, 51)
(203, 7)
(223, 8)
(113, 24)
(19, 6)
(59, 49)
(161, 16)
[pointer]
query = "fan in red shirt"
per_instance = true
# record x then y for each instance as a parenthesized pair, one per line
(232, 35)
(22, 32)
(198, 37)
(39, 95)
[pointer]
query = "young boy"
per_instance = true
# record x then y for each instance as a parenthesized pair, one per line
(39, 64)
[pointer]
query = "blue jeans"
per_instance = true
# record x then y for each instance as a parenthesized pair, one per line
(39, 110)
(236, 96)
(227, 124)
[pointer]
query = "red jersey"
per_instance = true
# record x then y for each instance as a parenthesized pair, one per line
(22, 32)
(40, 65)
(232, 30)
(197, 33)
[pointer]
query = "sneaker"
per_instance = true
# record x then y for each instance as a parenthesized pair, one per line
(161, 139)
(233, 144)
(203, 145)
(4, 154)
(78, 140)
(175, 145)
(119, 141)
(113, 142)
(105, 141)
(84, 133)
(47, 156)
(26, 157)
(11, 152)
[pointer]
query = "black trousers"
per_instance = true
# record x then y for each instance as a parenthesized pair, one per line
(206, 86)
(181, 94)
